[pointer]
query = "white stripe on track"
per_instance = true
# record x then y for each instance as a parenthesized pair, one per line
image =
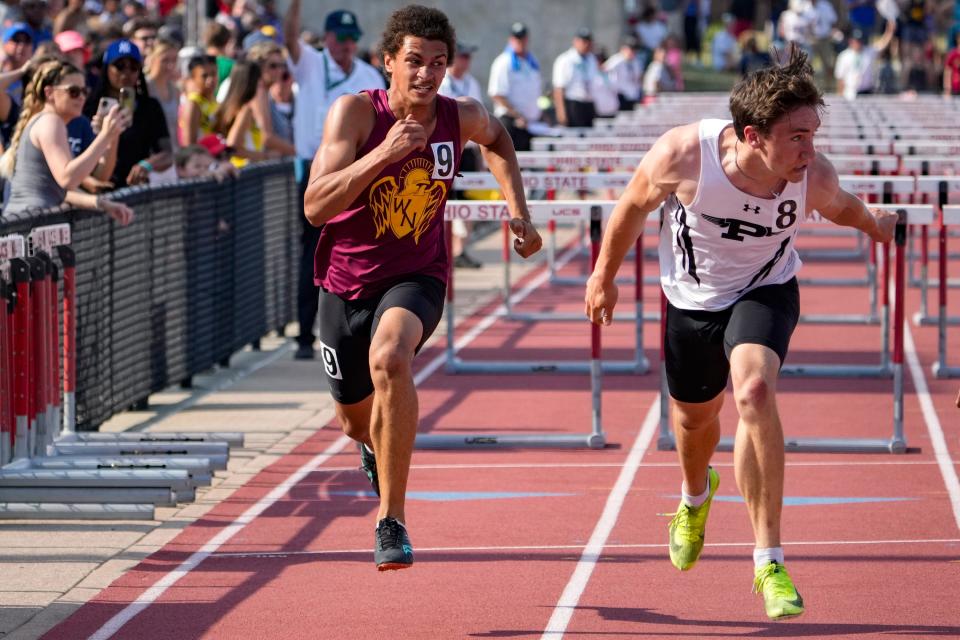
(937, 439)
(148, 597)
(591, 553)
(567, 547)
(897, 461)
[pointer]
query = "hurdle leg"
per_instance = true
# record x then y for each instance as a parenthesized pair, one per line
(20, 275)
(898, 443)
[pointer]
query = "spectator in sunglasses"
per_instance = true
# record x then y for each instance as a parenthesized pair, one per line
(39, 164)
(283, 99)
(145, 146)
(276, 129)
(80, 132)
(143, 33)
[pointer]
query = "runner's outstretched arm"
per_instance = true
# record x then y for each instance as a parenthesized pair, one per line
(500, 156)
(845, 209)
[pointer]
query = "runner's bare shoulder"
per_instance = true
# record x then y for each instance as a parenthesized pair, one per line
(352, 116)
(676, 155)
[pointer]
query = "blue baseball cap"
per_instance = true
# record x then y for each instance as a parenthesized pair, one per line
(122, 49)
(343, 23)
(15, 29)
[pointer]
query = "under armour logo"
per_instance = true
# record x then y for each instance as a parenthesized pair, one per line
(747, 207)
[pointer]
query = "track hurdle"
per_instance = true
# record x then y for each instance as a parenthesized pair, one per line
(541, 211)
(595, 438)
(950, 215)
(12, 407)
(73, 486)
(896, 443)
(938, 187)
(919, 215)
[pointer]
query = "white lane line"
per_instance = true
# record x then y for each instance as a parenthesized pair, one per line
(567, 603)
(573, 547)
(937, 439)
(154, 592)
(670, 465)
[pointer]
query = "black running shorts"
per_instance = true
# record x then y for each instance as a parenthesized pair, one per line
(697, 345)
(347, 327)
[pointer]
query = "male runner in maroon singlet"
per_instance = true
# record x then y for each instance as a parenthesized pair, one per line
(378, 184)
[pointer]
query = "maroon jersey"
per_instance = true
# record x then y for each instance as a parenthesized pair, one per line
(395, 227)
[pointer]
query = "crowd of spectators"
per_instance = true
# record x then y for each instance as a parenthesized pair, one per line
(96, 95)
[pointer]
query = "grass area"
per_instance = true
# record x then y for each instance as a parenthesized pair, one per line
(706, 79)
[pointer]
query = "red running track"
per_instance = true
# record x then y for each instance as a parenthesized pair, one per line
(511, 543)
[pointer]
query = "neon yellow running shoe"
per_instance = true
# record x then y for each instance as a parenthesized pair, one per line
(780, 598)
(688, 526)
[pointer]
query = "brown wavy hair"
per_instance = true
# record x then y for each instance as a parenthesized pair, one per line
(768, 94)
(420, 22)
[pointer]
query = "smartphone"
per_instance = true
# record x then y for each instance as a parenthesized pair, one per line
(126, 99)
(103, 108)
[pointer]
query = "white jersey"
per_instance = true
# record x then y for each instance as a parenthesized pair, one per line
(726, 242)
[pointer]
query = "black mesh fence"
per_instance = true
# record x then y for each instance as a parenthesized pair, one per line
(205, 269)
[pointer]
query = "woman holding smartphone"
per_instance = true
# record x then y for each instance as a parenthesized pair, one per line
(145, 146)
(42, 170)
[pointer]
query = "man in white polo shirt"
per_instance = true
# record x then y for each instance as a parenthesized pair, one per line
(515, 87)
(321, 77)
(575, 74)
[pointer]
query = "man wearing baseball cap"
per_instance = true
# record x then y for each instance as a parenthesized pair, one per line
(18, 46)
(575, 73)
(515, 85)
(74, 47)
(322, 77)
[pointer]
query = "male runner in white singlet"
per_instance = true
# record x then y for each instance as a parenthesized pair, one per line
(735, 195)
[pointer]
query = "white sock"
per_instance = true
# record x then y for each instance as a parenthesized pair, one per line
(695, 501)
(763, 557)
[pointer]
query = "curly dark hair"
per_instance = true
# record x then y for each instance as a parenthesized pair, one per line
(420, 22)
(767, 94)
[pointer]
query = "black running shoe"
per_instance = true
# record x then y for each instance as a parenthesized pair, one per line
(393, 549)
(368, 464)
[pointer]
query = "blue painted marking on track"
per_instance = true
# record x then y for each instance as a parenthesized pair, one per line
(806, 501)
(453, 496)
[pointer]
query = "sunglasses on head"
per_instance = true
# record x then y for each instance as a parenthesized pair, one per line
(126, 66)
(74, 91)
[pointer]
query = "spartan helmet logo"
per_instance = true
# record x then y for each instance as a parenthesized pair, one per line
(411, 208)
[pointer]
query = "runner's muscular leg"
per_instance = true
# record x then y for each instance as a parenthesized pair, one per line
(697, 429)
(355, 419)
(394, 408)
(758, 449)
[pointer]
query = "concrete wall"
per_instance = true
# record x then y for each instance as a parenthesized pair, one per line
(486, 24)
